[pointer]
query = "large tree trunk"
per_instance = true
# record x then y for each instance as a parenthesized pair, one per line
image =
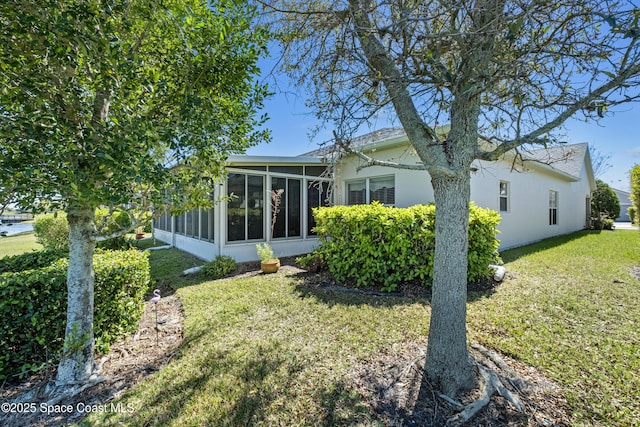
(448, 362)
(77, 363)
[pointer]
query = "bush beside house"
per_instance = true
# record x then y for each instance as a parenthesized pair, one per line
(33, 302)
(375, 245)
(605, 206)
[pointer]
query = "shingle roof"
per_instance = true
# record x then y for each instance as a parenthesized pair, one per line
(566, 158)
(359, 141)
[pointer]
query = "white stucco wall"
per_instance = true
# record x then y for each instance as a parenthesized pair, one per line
(412, 187)
(527, 219)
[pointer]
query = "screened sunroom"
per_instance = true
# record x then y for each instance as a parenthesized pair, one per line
(235, 227)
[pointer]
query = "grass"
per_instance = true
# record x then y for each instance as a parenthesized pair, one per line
(18, 244)
(572, 311)
(266, 350)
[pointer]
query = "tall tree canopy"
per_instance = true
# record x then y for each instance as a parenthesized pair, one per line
(121, 103)
(504, 72)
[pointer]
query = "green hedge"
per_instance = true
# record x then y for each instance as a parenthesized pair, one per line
(31, 260)
(374, 245)
(33, 304)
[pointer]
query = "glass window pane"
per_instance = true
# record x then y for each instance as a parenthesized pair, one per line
(382, 190)
(279, 228)
(317, 195)
(204, 224)
(503, 189)
(251, 168)
(314, 170)
(356, 192)
(179, 224)
(236, 207)
(313, 201)
(294, 170)
(255, 207)
(294, 202)
(189, 226)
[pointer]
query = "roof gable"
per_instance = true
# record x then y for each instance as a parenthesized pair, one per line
(567, 160)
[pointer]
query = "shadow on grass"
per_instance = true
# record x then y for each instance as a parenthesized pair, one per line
(238, 384)
(332, 294)
(511, 255)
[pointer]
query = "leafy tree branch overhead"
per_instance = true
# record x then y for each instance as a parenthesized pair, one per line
(99, 97)
(508, 73)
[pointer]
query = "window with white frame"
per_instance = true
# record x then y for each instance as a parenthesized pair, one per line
(318, 194)
(381, 189)
(504, 196)
(553, 207)
(288, 219)
(197, 223)
(245, 209)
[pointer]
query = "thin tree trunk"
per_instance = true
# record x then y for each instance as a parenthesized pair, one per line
(448, 362)
(77, 363)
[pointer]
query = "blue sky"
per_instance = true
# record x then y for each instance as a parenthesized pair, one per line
(615, 136)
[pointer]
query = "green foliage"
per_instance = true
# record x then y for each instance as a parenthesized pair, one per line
(265, 252)
(102, 95)
(377, 245)
(33, 304)
(30, 260)
(52, 231)
(116, 222)
(312, 262)
(631, 211)
(604, 203)
(635, 188)
(218, 268)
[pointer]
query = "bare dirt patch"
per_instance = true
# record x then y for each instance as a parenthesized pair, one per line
(400, 395)
(129, 362)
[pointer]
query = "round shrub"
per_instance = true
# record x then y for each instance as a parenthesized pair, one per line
(52, 231)
(604, 203)
(375, 245)
(218, 268)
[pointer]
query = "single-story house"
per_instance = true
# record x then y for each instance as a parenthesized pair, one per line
(625, 203)
(539, 194)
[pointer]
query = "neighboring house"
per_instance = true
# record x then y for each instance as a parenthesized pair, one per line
(539, 194)
(625, 203)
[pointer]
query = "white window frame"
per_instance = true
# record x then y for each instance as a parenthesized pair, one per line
(367, 188)
(553, 207)
(506, 196)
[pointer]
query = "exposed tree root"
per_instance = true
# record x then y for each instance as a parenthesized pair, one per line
(70, 391)
(491, 384)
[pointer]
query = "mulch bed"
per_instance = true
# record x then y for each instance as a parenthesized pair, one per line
(392, 383)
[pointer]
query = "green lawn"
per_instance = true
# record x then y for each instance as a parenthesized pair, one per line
(15, 245)
(266, 350)
(573, 311)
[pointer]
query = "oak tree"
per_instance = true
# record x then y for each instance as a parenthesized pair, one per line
(504, 74)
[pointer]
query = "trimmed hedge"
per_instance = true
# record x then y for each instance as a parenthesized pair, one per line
(375, 245)
(31, 260)
(33, 304)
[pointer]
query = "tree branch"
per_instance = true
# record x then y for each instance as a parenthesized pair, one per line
(536, 136)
